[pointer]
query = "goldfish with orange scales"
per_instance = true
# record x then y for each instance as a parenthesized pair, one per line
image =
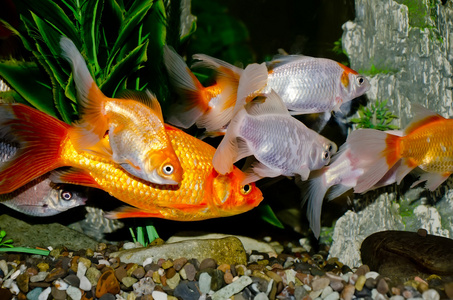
(45, 144)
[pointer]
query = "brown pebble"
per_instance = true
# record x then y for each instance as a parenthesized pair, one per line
(224, 267)
(320, 283)
(179, 263)
(336, 285)
(41, 284)
(32, 271)
(21, 296)
(382, 286)
(107, 283)
(167, 264)
(120, 272)
(305, 278)
(228, 277)
(208, 263)
(5, 294)
(170, 273)
(74, 263)
(138, 273)
(156, 277)
(396, 291)
(58, 294)
(22, 282)
(362, 270)
(190, 271)
(370, 283)
(55, 274)
(348, 292)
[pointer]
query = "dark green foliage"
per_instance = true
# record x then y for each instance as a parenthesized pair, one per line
(377, 117)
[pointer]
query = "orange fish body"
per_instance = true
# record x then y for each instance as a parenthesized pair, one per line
(138, 140)
(202, 193)
(426, 144)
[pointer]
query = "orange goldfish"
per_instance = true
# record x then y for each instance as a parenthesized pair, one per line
(45, 143)
(426, 143)
(208, 107)
(138, 140)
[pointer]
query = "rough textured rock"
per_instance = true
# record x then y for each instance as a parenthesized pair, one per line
(406, 52)
(227, 250)
(44, 235)
(248, 243)
(401, 255)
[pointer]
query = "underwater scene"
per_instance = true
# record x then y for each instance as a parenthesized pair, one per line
(214, 149)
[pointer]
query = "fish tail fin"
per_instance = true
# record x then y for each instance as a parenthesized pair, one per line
(313, 193)
(188, 87)
(39, 137)
(92, 125)
(376, 152)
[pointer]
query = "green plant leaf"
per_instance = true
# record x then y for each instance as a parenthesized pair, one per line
(91, 12)
(53, 15)
(133, 18)
(26, 250)
(268, 215)
(27, 79)
(123, 69)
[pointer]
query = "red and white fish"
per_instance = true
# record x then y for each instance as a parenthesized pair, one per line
(426, 143)
(45, 144)
(138, 140)
(265, 129)
(337, 178)
(39, 197)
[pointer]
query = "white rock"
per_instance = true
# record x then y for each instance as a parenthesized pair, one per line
(74, 293)
(81, 270)
(371, 274)
(45, 294)
(431, 295)
(205, 283)
(85, 284)
(3, 267)
(61, 285)
(148, 261)
(159, 295)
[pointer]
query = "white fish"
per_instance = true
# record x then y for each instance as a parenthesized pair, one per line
(265, 129)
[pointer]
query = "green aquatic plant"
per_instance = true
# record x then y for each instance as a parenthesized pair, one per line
(377, 116)
(7, 246)
(144, 234)
(376, 70)
(340, 51)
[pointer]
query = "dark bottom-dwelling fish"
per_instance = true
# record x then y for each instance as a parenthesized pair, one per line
(42, 198)
(39, 197)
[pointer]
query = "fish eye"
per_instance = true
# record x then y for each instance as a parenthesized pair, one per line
(246, 189)
(325, 155)
(66, 195)
(360, 80)
(168, 169)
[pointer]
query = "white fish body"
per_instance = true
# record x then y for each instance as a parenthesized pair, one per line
(265, 129)
(314, 85)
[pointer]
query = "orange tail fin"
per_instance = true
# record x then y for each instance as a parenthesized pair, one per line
(39, 138)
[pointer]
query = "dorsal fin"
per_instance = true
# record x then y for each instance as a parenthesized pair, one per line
(279, 60)
(272, 104)
(422, 116)
(146, 97)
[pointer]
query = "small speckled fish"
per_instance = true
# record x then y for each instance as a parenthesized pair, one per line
(45, 145)
(138, 140)
(314, 85)
(265, 129)
(427, 143)
(39, 197)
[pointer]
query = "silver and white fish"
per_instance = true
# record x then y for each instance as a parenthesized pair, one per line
(40, 197)
(265, 129)
(314, 85)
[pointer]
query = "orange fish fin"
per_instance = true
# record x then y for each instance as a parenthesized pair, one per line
(375, 152)
(433, 180)
(92, 124)
(132, 212)
(422, 116)
(74, 176)
(146, 97)
(40, 138)
(188, 87)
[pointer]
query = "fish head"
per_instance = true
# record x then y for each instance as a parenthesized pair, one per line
(321, 152)
(231, 196)
(163, 167)
(352, 85)
(61, 198)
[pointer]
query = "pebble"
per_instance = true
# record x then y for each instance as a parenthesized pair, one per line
(320, 284)
(204, 283)
(45, 294)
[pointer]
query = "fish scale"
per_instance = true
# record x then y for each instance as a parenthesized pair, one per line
(430, 148)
